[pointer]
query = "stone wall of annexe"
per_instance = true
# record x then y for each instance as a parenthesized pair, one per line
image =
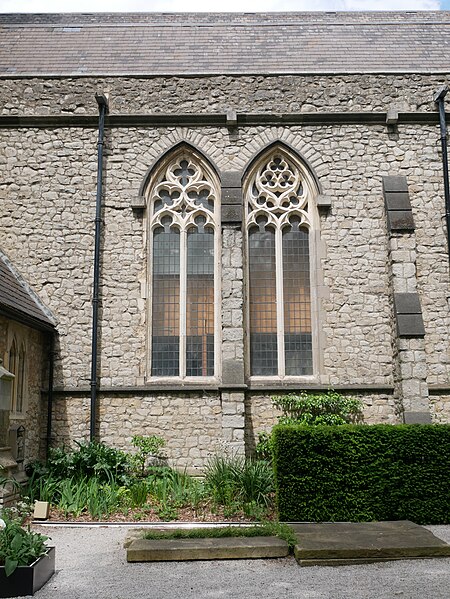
(34, 416)
(47, 210)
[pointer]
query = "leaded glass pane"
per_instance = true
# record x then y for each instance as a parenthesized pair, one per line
(166, 302)
(20, 381)
(200, 301)
(278, 221)
(263, 310)
(184, 205)
(297, 301)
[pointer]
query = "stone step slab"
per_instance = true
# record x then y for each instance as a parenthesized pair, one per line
(146, 550)
(339, 543)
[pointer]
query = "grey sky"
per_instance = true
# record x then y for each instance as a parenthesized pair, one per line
(14, 6)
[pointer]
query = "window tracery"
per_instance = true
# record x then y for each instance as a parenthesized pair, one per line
(279, 220)
(184, 232)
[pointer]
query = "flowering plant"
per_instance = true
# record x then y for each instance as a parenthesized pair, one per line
(18, 546)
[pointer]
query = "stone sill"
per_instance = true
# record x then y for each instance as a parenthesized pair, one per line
(280, 386)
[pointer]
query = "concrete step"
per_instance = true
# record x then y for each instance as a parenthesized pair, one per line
(339, 543)
(145, 550)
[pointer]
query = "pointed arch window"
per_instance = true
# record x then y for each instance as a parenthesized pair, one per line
(17, 365)
(280, 220)
(184, 242)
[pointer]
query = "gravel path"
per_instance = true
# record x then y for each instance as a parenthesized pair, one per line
(90, 563)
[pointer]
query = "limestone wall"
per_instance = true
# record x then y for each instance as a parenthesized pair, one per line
(261, 415)
(47, 211)
(272, 94)
(190, 423)
(35, 414)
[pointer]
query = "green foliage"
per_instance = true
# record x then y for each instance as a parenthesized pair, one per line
(172, 488)
(100, 480)
(363, 473)
(266, 529)
(88, 459)
(147, 447)
(18, 546)
(239, 484)
(331, 408)
(310, 409)
(138, 493)
(264, 447)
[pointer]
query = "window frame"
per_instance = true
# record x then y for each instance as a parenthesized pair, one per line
(189, 153)
(311, 192)
(17, 337)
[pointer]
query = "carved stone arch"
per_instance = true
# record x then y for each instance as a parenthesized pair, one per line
(303, 163)
(282, 232)
(172, 151)
(183, 227)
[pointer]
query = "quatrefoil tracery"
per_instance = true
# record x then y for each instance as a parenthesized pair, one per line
(277, 191)
(183, 193)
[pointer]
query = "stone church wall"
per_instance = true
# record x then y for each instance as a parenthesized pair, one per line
(47, 198)
(35, 412)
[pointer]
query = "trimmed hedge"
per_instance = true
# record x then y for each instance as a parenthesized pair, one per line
(360, 473)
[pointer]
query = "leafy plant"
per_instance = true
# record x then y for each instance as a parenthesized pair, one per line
(237, 483)
(263, 449)
(18, 546)
(88, 459)
(311, 409)
(147, 447)
(170, 486)
(138, 493)
(331, 408)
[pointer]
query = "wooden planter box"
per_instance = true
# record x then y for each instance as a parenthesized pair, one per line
(26, 580)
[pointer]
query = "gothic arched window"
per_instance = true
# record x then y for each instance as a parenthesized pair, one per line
(280, 219)
(184, 242)
(17, 365)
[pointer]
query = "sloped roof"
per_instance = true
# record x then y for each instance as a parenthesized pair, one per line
(18, 301)
(229, 43)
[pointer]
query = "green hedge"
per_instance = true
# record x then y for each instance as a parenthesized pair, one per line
(361, 473)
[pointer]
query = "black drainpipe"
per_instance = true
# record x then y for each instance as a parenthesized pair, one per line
(102, 102)
(439, 100)
(51, 368)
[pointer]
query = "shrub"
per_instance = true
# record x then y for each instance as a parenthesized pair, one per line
(318, 408)
(311, 409)
(363, 473)
(88, 459)
(18, 546)
(147, 447)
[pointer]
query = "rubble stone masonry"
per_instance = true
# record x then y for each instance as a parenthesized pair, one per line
(47, 211)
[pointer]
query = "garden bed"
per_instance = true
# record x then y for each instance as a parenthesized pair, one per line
(184, 514)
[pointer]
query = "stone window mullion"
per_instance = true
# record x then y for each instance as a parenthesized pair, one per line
(183, 286)
(279, 301)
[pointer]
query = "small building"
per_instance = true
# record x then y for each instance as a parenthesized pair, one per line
(26, 332)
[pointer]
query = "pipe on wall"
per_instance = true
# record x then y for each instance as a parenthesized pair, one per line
(102, 101)
(439, 100)
(51, 368)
